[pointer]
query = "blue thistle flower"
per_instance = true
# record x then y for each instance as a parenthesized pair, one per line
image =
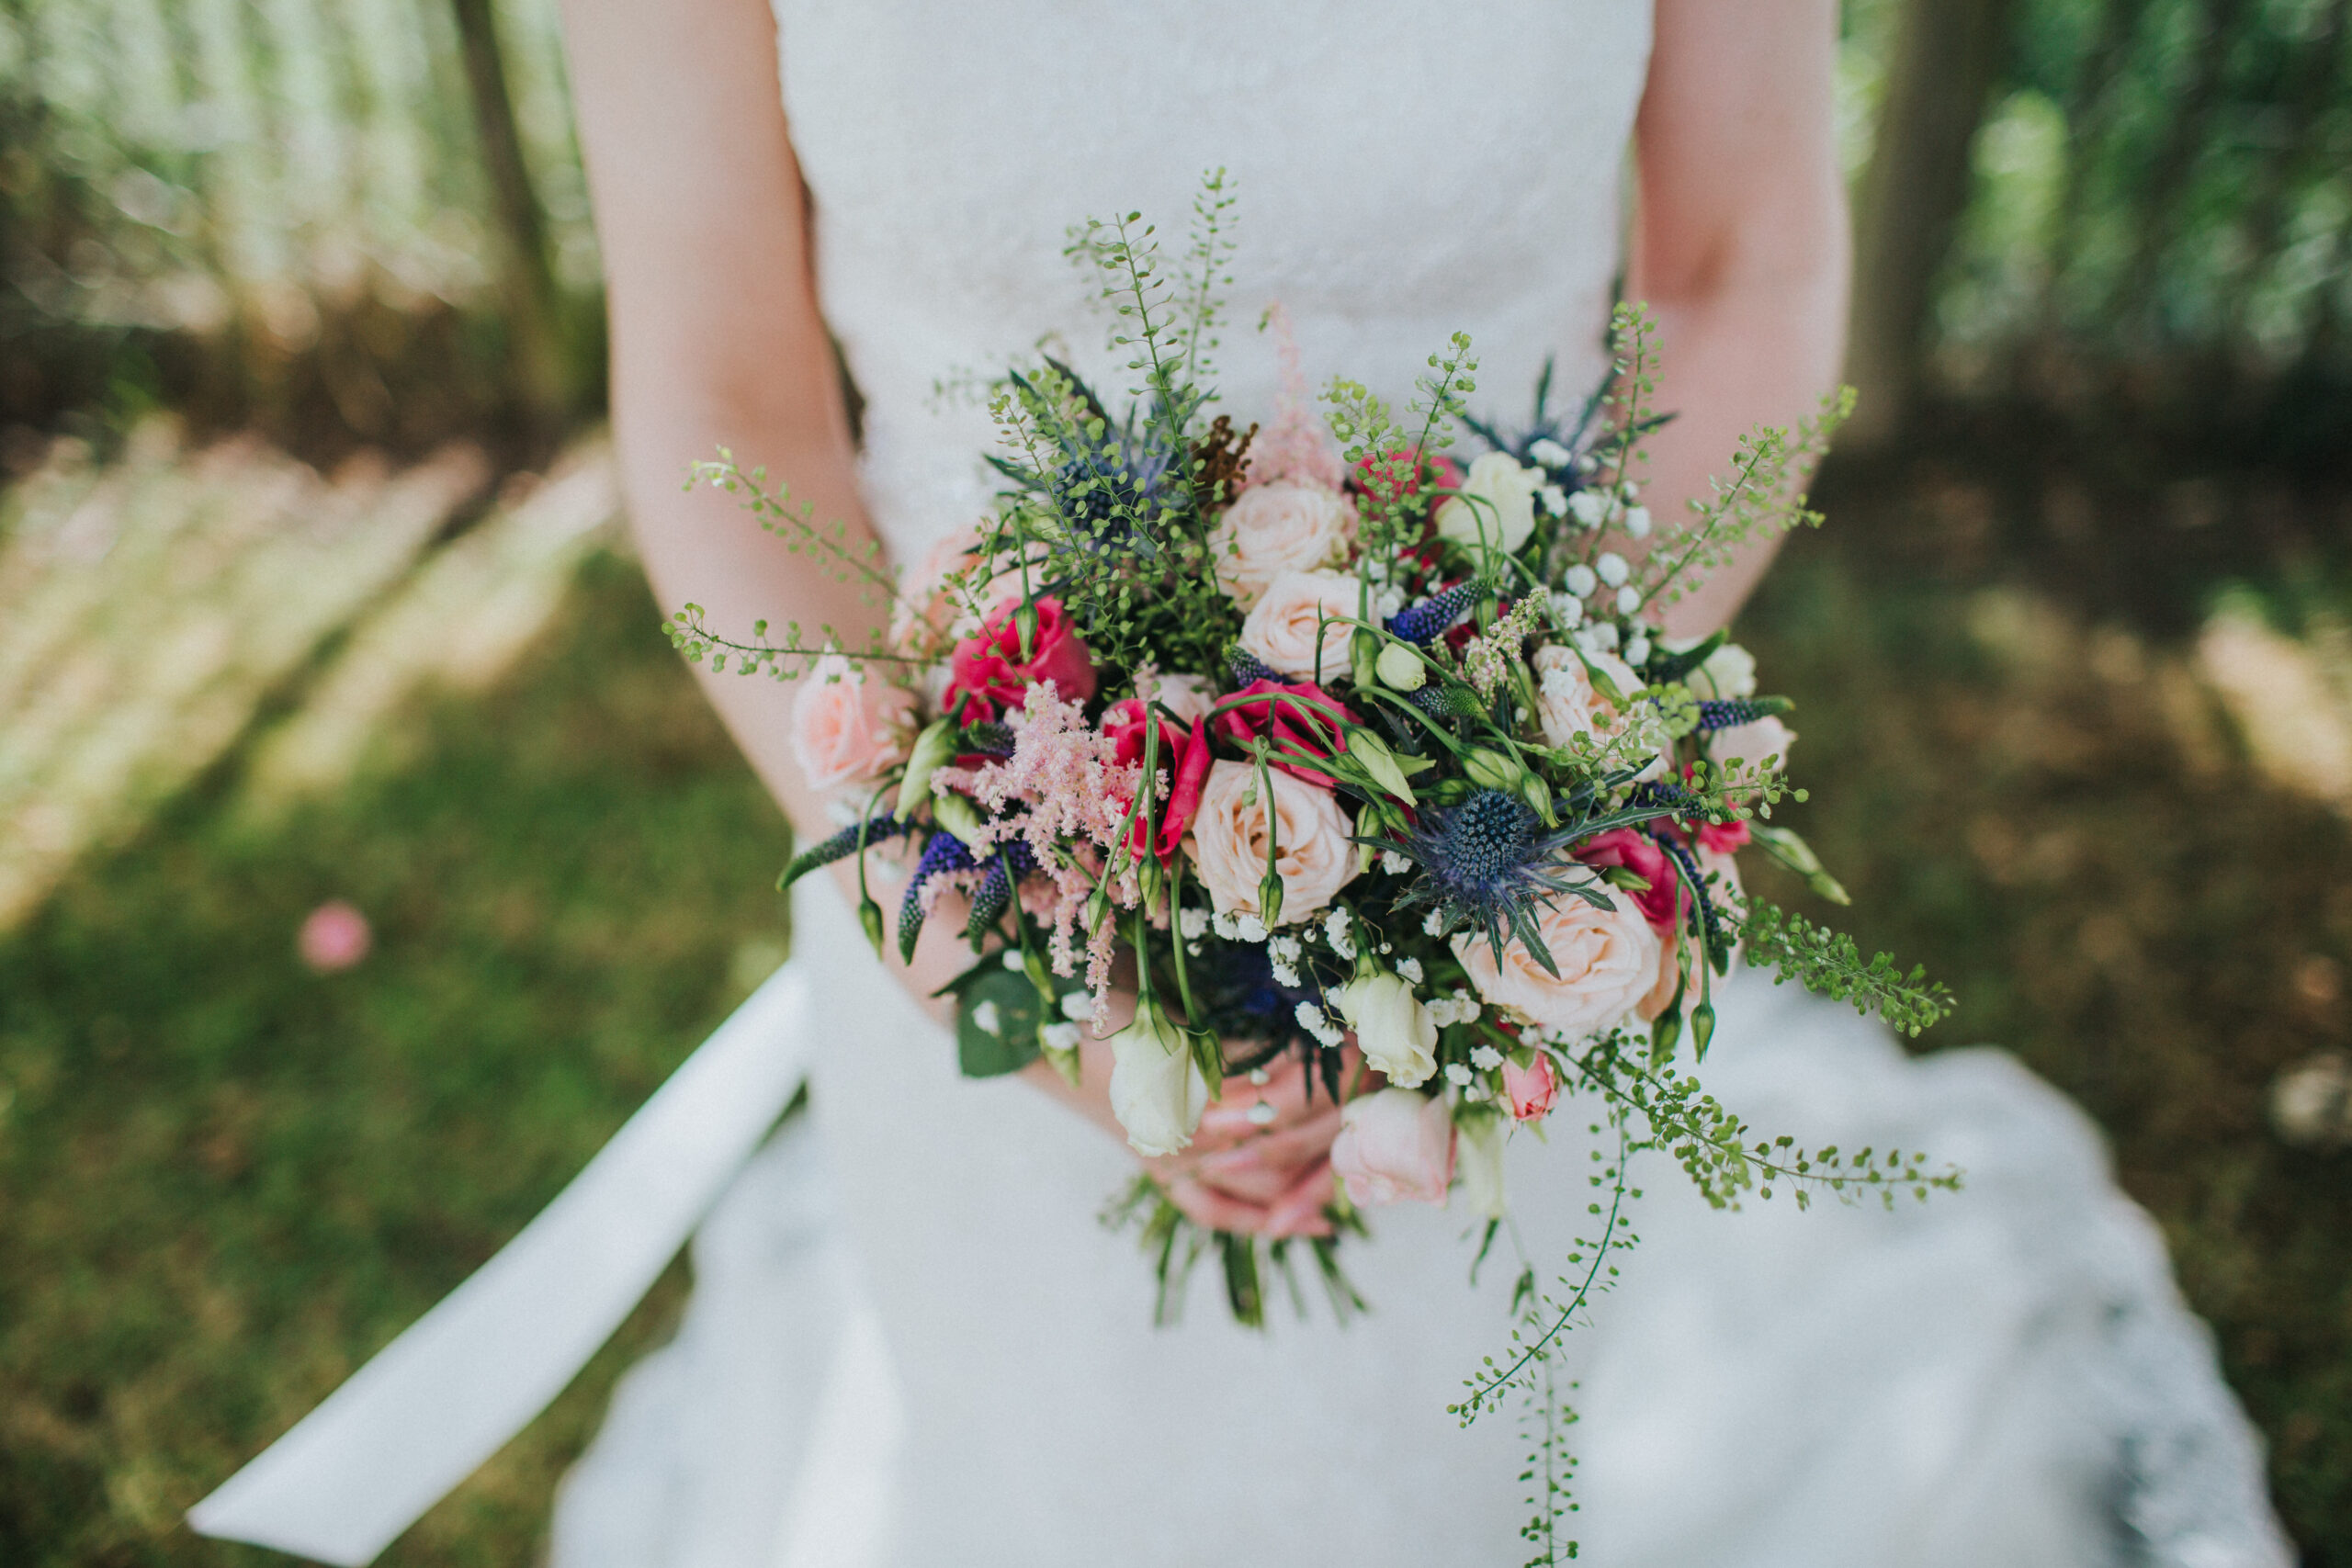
(1488, 862)
(1432, 618)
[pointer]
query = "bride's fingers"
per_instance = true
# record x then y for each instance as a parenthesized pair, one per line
(1207, 1207)
(1300, 1210)
(1262, 1170)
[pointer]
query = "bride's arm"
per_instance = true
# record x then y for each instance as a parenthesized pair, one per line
(716, 336)
(1740, 243)
(715, 330)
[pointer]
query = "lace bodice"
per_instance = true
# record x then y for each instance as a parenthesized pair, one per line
(1404, 170)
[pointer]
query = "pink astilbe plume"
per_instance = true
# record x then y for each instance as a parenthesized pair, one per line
(1075, 790)
(1296, 447)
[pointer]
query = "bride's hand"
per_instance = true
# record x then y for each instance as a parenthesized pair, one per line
(1273, 1177)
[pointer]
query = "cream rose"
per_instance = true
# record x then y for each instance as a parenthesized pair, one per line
(1158, 1090)
(1280, 629)
(1608, 961)
(1398, 1037)
(1567, 702)
(1752, 743)
(848, 727)
(1395, 1146)
(1497, 502)
(1279, 527)
(1312, 852)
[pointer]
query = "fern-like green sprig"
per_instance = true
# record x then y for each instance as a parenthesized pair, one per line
(1829, 962)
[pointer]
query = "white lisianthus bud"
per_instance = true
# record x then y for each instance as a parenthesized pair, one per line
(1157, 1089)
(1400, 667)
(1478, 1160)
(1612, 567)
(1497, 505)
(1579, 579)
(1394, 1030)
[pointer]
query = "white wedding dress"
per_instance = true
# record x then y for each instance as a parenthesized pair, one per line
(912, 1342)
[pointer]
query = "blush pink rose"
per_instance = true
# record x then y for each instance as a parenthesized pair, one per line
(1313, 853)
(1752, 742)
(1670, 976)
(1607, 961)
(989, 667)
(1566, 702)
(1533, 1089)
(848, 727)
(1280, 630)
(1395, 1146)
(1278, 527)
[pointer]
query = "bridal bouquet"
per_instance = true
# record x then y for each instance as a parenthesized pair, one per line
(1337, 742)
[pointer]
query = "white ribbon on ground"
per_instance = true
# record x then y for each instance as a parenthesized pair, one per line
(447, 1394)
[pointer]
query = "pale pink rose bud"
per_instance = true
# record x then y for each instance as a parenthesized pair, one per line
(849, 728)
(1533, 1089)
(1279, 631)
(1395, 1146)
(1279, 527)
(1313, 856)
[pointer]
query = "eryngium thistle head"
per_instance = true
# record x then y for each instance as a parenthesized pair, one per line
(1488, 862)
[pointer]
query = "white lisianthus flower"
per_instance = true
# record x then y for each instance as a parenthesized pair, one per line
(1497, 504)
(1158, 1091)
(1394, 1030)
(1478, 1160)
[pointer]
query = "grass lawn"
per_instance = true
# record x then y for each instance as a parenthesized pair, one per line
(225, 1181)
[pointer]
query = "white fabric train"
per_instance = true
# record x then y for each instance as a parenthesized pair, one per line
(443, 1396)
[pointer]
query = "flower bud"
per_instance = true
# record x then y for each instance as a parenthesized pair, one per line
(957, 814)
(1478, 1160)
(1158, 1090)
(1491, 769)
(934, 747)
(1396, 1031)
(1400, 667)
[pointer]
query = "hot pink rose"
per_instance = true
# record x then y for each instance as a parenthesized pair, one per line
(848, 727)
(1639, 854)
(1186, 758)
(1300, 716)
(1722, 838)
(990, 668)
(1395, 1146)
(1533, 1090)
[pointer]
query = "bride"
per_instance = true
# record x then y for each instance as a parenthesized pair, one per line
(911, 1341)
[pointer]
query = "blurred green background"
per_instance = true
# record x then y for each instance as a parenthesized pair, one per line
(310, 589)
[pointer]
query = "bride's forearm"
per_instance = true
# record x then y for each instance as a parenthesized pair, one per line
(1740, 246)
(700, 547)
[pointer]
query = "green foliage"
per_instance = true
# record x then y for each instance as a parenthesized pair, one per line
(997, 1018)
(1827, 962)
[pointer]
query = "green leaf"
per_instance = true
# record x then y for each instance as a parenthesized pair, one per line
(989, 993)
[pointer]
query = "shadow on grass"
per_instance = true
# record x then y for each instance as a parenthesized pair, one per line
(224, 1181)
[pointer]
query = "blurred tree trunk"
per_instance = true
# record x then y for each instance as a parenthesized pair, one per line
(527, 283)
(1948, 55)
